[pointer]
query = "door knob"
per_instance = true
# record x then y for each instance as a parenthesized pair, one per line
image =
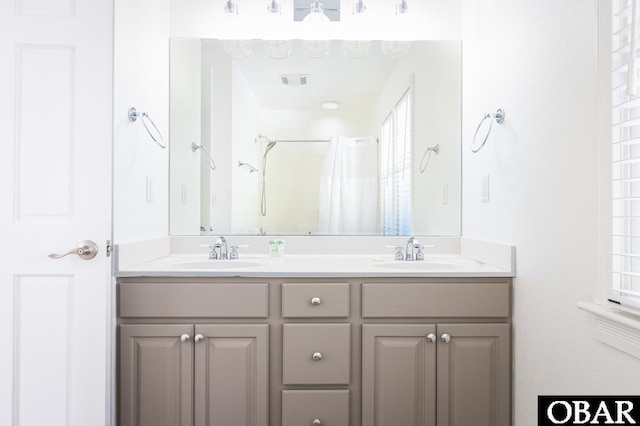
(185, 338)
(198, 338)
(316, 422)
(86, 250)
(445, 338)
(315, 301)
(431, 337)
(317, 356)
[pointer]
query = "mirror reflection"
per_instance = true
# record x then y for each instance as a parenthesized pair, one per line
(363, 141)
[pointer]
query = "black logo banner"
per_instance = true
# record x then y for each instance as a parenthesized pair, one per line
(588, 410)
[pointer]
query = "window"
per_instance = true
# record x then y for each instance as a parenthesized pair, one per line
(625, 157)
(395, 164)
(620, 214)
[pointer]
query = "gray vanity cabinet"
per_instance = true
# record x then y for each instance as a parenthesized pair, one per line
(156, 375)
(407, 368)
(251, 351)
(442, 358)
(473, 374)
(176, 372)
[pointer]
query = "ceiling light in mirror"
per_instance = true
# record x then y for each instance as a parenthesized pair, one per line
(356, 49)
(330, 105)
(237, 49)
(316, 49)
(278, 49)
(395, 49)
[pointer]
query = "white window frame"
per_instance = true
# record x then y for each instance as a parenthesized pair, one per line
(614, 327)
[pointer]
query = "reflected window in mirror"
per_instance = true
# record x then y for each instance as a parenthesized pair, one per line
(395, 169)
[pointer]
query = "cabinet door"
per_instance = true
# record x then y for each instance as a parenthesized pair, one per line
(398, 375)
(474, 371)
(231, 375)
(156, 375)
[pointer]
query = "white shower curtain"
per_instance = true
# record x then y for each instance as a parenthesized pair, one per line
(348, 199)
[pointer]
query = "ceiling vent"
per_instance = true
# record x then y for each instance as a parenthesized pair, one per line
(294, 79)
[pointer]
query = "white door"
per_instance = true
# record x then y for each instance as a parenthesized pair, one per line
(55, 160)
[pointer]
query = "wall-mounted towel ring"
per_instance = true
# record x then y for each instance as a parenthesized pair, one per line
(430, 150)
(499, 117)
(144, 117)
(208, 158)
(247, 165)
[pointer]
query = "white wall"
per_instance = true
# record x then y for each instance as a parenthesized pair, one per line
(246, 122)
(141, 80)
(538, 61)
(185, 112)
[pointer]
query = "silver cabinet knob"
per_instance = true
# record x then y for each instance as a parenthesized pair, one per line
(317, 356)
(431, 337)
(316, 422)
(185, 338)
(198, 338)
(86, 250)
(445, 338)
(315, 301)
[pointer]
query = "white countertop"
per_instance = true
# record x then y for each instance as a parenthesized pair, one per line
(312, 265)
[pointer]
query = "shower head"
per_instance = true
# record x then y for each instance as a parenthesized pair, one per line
(270, 145)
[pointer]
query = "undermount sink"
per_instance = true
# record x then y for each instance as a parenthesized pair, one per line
(214, 264)
(422, 265)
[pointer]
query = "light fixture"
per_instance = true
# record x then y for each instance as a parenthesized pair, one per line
(231, 8)
(329, 105)
(316, 13)
(356, 49)
(359, 8)
(395, 49)
(278, 49)
(316, 49)
(402, 8)
(273, 8)
(237, 49)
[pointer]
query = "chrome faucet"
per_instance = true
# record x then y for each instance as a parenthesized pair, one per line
(414, 244)
(219, 244)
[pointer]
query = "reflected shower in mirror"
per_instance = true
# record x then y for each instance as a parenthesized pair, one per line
(337, 142)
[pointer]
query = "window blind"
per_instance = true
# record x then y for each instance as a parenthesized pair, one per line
(396, 169)
(625, 156)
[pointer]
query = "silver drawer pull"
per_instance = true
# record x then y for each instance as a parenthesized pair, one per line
(316, 422)
(431, 337)
(445, 338)
(315, 301)
(198, 338)
(317, 356)
(185, 338)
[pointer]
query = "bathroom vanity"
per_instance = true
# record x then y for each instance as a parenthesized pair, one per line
(273, 343)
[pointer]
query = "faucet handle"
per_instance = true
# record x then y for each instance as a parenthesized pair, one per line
(234, 253)
(398, 249)
(399, 255)
(420, 253)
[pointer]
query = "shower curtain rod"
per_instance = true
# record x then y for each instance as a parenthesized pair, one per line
(306, 140)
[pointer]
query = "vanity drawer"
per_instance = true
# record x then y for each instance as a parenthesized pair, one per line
(316, 354)
(315, 300)
(325, 407)
(212, 300)
(388, 300)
